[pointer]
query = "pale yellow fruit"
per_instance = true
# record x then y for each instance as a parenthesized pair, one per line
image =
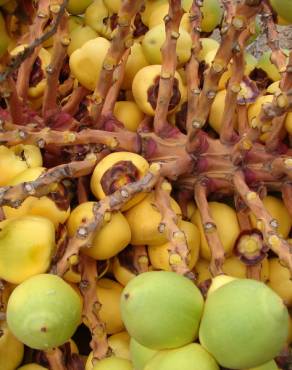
(149, 7)
(234, 267)
(146, 79)
(279, 212)
(84, 64)
(255, 109)
(97, 16)
(109, 295)
(129, 114)
(79, 36)
(74, 21)
(11, 349)
(113, 363)
(109, 162)
(207, 45)
(159, 255)
(264, 63)
(43, 206)
(218, 282)
(32, 367)
(158, 14)
(217, 110)
(76, 7)
(227, 227)
(135, 62)
(113, 237)
(202, 271)
(16, 159)
(280, 281)
(274, 87)
(26, 247)
(119, 344)
(144, 219)
(122, 274)
(113, 5)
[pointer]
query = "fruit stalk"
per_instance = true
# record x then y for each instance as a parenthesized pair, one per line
(55, 359)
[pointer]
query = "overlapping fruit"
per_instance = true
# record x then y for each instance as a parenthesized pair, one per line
(145, 185)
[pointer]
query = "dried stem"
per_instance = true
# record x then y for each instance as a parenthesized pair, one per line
(169, 63)
(91, 308)
(287, 197)
(210, 230)
(14, 103)
(113, 202)
(140, 259)
(55, 359)
(265, 222)
(178, 251)
(120, 42)
(72, 105)
(229, 12)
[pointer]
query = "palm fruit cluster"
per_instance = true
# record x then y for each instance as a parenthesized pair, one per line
(145, 185)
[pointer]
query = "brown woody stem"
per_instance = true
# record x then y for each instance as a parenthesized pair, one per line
(55, 359)
(140, 259)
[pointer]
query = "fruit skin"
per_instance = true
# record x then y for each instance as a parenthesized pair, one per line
(283, 9)
(216, 111)
(113, 363)
(4, 39)
(249, 324)
(145, 79)
(129, 114)
(218, 282)
(267, 66)
(113, 237)
(83, 62)
(76, 7)
(32, 367)
(43, 206)
(190, 357)
(113, 5)
(271, 365)
(79, 36)
(11, 349)
(161, 309)
(97, 17)
(149, 8)
(44, 311)
(108, 162)
(159, 255)
(109, 295)
(140, 355)
(154, 39)
(280, 281)
(26, 247)
(227, 225)
(147, 232)
(122, 274)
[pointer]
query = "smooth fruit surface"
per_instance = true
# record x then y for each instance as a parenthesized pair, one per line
(280, 281)
(140, 355)
(44, 311)
(244, 324)
(161, 309)
(113, 363)
(11, 349)
(271, 365)
(283, 9)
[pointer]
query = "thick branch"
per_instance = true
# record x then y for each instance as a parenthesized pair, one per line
(55, 359)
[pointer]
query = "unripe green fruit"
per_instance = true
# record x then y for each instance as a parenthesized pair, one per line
(161, 309)
(283, 9)
(190, 357)
(113, 363)
(267, 66)
(140, 355)
(76, 7)
(244, 324)
(44, 311)
(271, 365)
(154, 39)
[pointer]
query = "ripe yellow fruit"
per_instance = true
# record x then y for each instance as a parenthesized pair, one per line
(150, 7)
(227, 227)
(122, 273)
(207, 45)
(159, 254)
(83, 62)
(280, 281)
(113, 5)
(32, 367)
(147, 232)
(114, 235)
(112, 363)
(216, 112)
(97, 16)
(283, 9)
(79, 36)
(26, 247)
(265, 64)
(101, 186)
(218, 282)
(11, 349)
(109, 295)
(129, 114)
(76, 7)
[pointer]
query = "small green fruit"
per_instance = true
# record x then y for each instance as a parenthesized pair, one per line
(140, 355)
(244, 324)
(161, 309)
(190, 357)
(43, 311)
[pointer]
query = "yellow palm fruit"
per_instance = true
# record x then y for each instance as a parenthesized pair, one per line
(16, 159)
(97, 16)
(84, 64)
(144, 220)
(32, 367)
(43, 206)
(76, 7)
(264, 63)
(74, 21)
(135, 62)
(227, 227)
(149, 7)
(280, 281)
(255, 109)
(145, 81)
(26, 247)
(11, 349)
(129, 114)
(101, 184)
(202, 271)
(113, 237)
(159, 254)
(4, 37)
(122, 273)
(279, 212)
(234, 267)
(109, 295)
(158, 14)
(79, 36)
(207, 45)
(113, 5)
(274, 87)
(111, 363)
(218, 282)
(216, 112)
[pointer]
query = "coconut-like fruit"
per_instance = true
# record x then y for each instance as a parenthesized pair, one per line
(161, 309)
(11, 349)
(190, 357)
(44, 311)
(244, 324)
(140, 354)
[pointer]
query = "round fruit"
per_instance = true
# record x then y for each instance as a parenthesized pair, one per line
(97, 16)
(32, 367)
(26, 247)
(190, 357)
(119, 344)
(267, 66)
(161, 309)
(283, 9)
(129, 114)
(44, 311)
(271, 365)
(280, 281)
(79, 36)
(218, 282)
(159, 255)
(140, 355)
(227, 226)
(122, 273)
(249, 324)
(11, 349)
(76, 7)
(113, 363)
